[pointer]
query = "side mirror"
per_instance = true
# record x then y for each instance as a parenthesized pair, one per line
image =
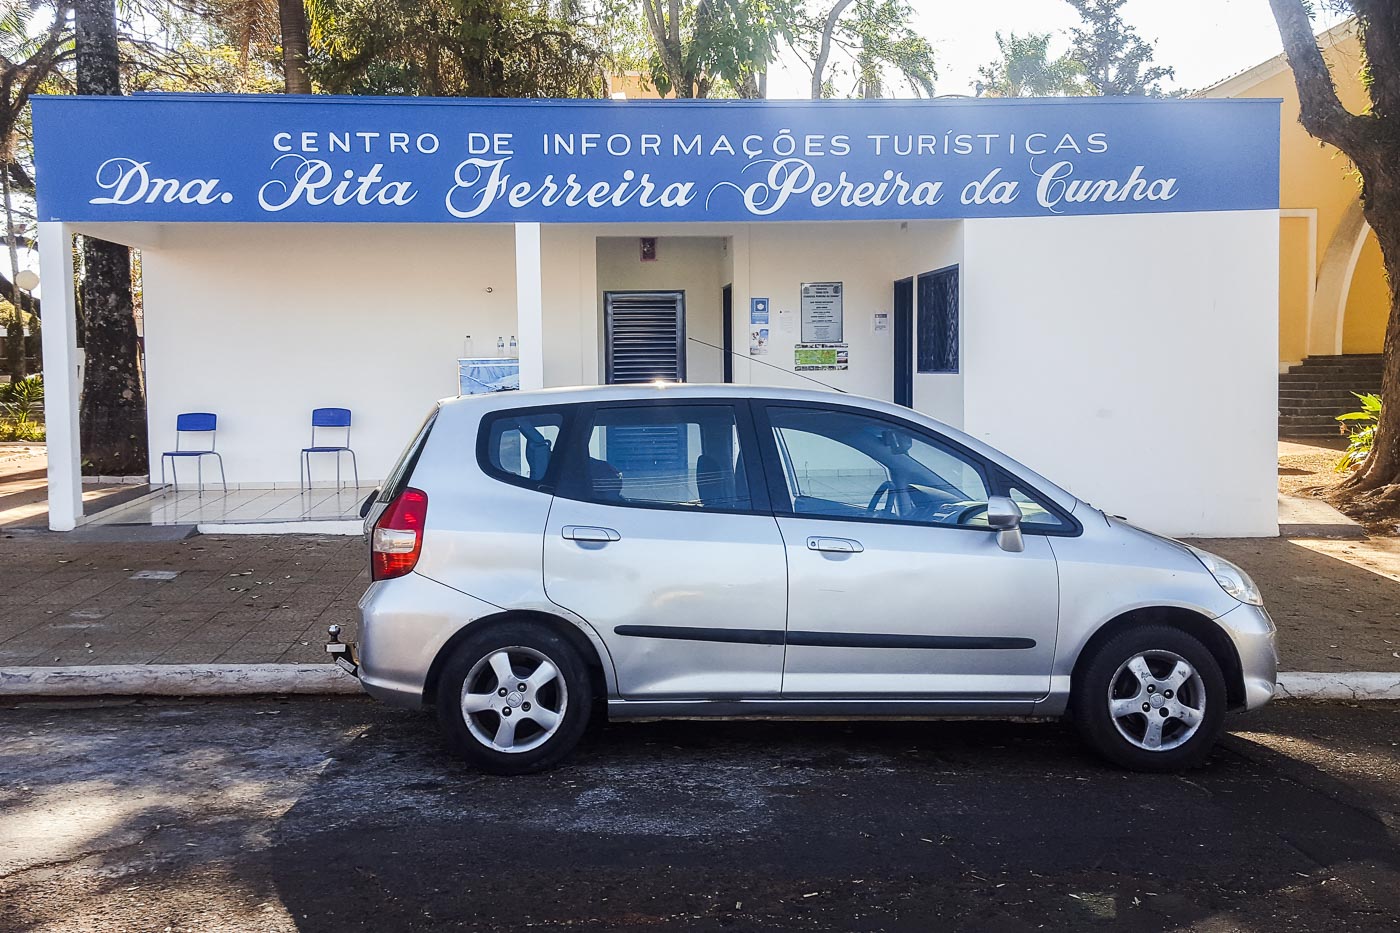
(1005, 516)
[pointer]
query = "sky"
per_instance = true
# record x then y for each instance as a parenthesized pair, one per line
(1204, 40)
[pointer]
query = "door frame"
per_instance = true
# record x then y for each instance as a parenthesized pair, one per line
(678, 293)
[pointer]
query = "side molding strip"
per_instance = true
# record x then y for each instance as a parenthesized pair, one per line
(748, 636)
(737, 636)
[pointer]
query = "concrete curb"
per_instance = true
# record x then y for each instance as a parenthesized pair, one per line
(175, 680)
(327, 679)
(1350, 685)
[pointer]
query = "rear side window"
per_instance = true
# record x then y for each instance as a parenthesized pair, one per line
(519, 446)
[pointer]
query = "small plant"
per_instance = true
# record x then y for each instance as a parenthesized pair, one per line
(1361, 440)
(21, 410)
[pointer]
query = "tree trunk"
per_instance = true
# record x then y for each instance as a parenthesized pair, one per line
(112, 418)
(295, 49)
(14, 342)
(1382, 467)
(824, 48)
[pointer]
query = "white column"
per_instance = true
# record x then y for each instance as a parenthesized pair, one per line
(529, 305)
(61, 386)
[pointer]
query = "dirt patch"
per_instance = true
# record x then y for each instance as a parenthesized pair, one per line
(1308, 469)
(1336, 603)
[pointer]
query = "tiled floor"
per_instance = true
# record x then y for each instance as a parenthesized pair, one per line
(239, 506)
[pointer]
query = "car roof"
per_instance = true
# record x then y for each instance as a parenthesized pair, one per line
(693, 390)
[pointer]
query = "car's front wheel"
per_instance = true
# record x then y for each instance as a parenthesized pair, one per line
(514, 699)
(1151, 698)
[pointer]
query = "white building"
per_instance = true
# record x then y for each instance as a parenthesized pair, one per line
(1089, 285)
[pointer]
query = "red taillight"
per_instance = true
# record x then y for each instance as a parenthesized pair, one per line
(398, 536)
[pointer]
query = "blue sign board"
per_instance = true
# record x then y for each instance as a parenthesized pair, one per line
(164, 158)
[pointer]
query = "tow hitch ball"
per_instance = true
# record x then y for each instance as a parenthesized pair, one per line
(344, 654)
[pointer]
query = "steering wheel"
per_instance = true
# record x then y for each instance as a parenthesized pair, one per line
(886, 488)
(969, 513)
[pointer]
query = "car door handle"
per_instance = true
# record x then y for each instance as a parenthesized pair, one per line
(590, 533)
(837, 545)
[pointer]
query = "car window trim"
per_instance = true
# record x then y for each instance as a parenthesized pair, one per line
(996, 479)
(571, 486)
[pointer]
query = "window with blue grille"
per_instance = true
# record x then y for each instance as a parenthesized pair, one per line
(938, 321)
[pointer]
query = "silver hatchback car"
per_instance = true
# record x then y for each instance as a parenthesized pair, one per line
(542, 558)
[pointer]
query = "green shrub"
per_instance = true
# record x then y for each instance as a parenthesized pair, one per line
(1361, 439)
(22, 409)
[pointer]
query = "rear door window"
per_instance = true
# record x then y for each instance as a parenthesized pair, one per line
(662, 456)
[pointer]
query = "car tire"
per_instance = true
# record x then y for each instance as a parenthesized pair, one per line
(1135, 704)
(493, 724)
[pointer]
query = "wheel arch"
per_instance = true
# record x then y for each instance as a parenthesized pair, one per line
(1193, 623)
(587, 650)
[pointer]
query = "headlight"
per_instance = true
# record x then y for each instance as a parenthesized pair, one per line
(1232, 579)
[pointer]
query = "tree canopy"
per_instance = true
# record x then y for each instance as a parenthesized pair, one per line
(1025, 69)
(1117, 61)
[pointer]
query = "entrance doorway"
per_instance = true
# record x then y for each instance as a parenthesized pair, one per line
(645, 336)
(904, 342)
(727, 309)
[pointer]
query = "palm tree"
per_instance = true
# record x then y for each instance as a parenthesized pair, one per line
(1026, 69)
(27, 59)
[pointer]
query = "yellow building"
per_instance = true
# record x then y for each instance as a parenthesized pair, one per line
(1333, 296)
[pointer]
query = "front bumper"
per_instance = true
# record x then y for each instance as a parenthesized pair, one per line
(1253, 634)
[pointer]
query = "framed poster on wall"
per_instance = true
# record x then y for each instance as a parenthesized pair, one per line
(823, 317)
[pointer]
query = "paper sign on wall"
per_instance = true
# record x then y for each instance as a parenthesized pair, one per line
(881, 323)
(758, 327)
(822, 313)
(813, 357)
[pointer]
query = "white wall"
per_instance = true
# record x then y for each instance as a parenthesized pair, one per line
(1132, 360)
(695, 265)
(926, 246)
(261, 323)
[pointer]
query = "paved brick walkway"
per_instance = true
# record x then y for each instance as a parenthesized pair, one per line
(65, 601)
(232, 599)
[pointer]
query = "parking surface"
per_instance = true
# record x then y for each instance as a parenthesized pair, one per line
(344, 815)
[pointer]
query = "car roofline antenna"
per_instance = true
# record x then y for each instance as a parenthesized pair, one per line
(789, 372)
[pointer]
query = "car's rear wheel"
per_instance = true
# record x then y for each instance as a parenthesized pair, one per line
(1151, 698)
(514, 699)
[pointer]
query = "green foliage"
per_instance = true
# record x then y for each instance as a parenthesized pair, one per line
(1361, 440)
(21, 409)
(1026, 69)
(882, 40)
(1117, 61)
(456, 48)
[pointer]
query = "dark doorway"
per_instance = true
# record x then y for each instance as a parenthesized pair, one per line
(904, 342)
(645, 336)
(727, 316)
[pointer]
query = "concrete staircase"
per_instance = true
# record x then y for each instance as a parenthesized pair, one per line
(1312, 394)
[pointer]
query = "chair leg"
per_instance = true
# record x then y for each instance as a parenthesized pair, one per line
(301, 471)
(309, 480)
(355, 467)
(162, 473)
(199, 473)
(337, 472)
(223, 480)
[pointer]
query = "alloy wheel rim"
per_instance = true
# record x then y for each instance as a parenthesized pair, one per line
(1157, 700)
(513, 699)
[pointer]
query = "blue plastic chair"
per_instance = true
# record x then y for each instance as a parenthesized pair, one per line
(328, 419)
(194, 422)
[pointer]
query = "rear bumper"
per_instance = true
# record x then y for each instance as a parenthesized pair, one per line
(1253, 634)
(404, 624)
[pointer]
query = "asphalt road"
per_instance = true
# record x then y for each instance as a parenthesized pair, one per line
(344, 815)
